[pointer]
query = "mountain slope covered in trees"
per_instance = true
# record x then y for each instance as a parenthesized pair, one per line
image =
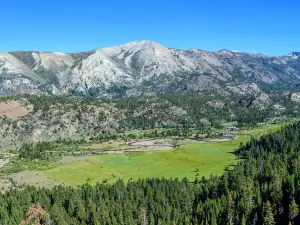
(31, 118)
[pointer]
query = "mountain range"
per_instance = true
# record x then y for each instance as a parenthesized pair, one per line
(142, 68)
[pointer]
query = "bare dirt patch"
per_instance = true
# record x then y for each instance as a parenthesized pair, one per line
(12, 110)
(114, 144)
(137, 146)
(156, 142)
(94, 146)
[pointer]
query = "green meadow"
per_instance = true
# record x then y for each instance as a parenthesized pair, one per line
(192, 159)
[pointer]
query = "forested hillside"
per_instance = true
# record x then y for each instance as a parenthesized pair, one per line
(264, 188)
(36, 118)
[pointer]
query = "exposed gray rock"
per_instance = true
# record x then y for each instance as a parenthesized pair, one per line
(142, 68)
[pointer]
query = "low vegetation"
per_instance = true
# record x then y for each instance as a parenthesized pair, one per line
(90, 161)
(263, 188)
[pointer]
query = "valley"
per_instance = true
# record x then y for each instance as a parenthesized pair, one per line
(195, 143)
(133, 159)
(149, 113)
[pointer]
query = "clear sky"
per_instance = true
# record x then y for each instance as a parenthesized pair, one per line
(271, 27)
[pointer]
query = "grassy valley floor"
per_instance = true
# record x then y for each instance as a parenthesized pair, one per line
(191, 159)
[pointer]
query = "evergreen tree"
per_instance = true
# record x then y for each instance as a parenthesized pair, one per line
(293, 209)
(268, 217)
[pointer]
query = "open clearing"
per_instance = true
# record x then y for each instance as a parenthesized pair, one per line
(118, 147)
(209, 158)
(204, 157)
(12, 110)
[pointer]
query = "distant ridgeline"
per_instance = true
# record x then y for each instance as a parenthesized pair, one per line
(142, 68)
(264, 188)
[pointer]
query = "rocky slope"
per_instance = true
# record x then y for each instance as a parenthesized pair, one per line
(141, 68)
(32, 118)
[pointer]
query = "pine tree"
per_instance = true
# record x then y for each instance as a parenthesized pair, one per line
(268, 217)
(293, 209)
(142, 216)
(243, 221)
(230, 210)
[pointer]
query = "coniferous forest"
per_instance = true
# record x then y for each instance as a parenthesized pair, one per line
(264, 189)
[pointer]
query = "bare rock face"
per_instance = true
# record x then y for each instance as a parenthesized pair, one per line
(295, 97)
(294, 54)
(246, 89)
(140, 68)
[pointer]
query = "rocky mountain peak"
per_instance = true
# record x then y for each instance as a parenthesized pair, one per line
(294, 54)
(140, 67)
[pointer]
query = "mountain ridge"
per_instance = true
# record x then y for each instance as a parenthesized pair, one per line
(140, 68)
(145, 40)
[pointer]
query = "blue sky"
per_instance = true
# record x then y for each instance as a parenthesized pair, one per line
(269, 27)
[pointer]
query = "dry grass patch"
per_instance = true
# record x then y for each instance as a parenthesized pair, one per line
(12, 110)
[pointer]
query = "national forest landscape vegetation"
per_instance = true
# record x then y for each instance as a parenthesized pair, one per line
(133, 112)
